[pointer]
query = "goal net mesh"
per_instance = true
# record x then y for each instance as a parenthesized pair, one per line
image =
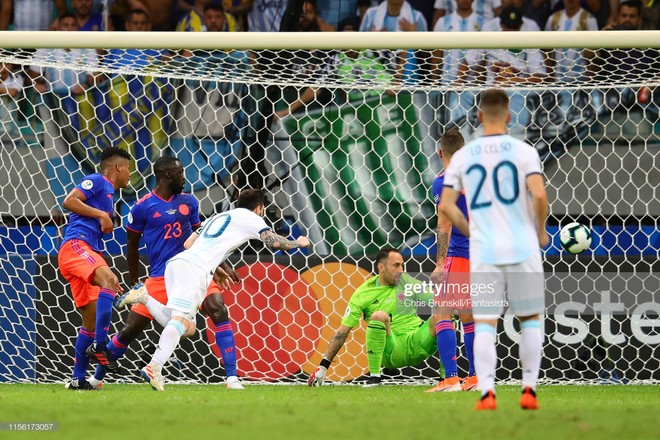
(345, 142)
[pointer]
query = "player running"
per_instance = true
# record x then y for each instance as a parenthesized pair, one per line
(188, 274)
(165, 218)
(505, 192)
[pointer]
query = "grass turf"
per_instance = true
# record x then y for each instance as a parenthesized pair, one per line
(188, 412)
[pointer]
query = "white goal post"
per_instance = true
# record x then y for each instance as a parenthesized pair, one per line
(348, 159)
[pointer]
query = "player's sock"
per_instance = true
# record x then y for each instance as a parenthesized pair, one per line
(103, 316)
(468, 335)
(117, 350)
(81, 361)
(224, 337)
(158, 311)
(485, 356)
(446, 340)
(376, 337)
(168, 341)
(531, 350)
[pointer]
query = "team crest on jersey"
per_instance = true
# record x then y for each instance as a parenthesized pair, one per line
(87, 184)
(184, 210)
(171, 211)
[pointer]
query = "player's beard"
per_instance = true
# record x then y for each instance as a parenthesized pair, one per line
(177, 188)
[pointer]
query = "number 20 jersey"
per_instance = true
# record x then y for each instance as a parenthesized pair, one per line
(165, 225)
(220, 235)
(493, 171)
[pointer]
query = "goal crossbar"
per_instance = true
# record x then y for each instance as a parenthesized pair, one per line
(326, 40)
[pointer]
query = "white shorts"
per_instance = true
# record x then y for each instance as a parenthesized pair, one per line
(518, 287)
(186, 285)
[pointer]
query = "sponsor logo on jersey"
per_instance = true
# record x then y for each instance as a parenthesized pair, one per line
(156, 215)
(171, 211)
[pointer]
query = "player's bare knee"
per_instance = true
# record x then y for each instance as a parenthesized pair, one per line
(105, 278)
(188, 322)
(380, 316)
(218, 313)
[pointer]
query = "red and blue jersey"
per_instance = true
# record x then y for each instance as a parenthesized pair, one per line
(459, 244)
(165, 226)
(98, 192)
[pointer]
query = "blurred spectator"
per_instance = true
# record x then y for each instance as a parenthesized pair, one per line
(194, 20)
(59, 80)
(503, 66)
(159, 12)
(309, 21)
(528, 24)
(348, 67)
(335, 11)
(628, 17)
(625, 66)
(395, 16)
(427, 9)
(464, 19)
(87, 20)
(570, 64)
(29, 15)
(10, 86)
(137, 20)
(239, 10)
(650, 14)
(486, 8)
(266, 15)
(537, 10)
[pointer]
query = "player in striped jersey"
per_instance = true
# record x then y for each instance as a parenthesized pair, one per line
(464, 19)
(508, 205)
(451, 278)
(165, 218)
(188, 274)
(494, 25)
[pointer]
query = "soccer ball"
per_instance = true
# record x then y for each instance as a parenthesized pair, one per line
(575, 238)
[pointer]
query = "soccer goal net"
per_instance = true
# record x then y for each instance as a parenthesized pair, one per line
(344, 137)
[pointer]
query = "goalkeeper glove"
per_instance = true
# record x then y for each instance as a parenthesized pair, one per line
(316, 379)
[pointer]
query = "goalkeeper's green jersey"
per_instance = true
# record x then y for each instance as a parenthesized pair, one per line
(400, 302)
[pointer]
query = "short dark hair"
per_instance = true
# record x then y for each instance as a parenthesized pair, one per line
(493, 102)
(451, 142)
(163, 164)
(383, 254)
(67, 15)
(111, 152)
(214, 7)
(250, 199)
(635, 4)
(136, 11)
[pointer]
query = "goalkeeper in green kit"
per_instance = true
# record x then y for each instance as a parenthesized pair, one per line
(396, 336)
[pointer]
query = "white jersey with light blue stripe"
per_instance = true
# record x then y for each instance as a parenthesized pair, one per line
(455, 23)
(220, 235)
(484, 8)
(493, 172)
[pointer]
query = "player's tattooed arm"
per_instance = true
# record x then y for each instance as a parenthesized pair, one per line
(443, 243)
(279, 243)
(337, 342)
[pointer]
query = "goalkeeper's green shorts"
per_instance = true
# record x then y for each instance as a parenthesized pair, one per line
(409, 349)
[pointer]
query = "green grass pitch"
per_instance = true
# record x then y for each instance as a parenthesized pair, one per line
(190, 412)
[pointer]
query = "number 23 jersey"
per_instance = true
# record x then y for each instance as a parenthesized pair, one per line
(165, 225)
